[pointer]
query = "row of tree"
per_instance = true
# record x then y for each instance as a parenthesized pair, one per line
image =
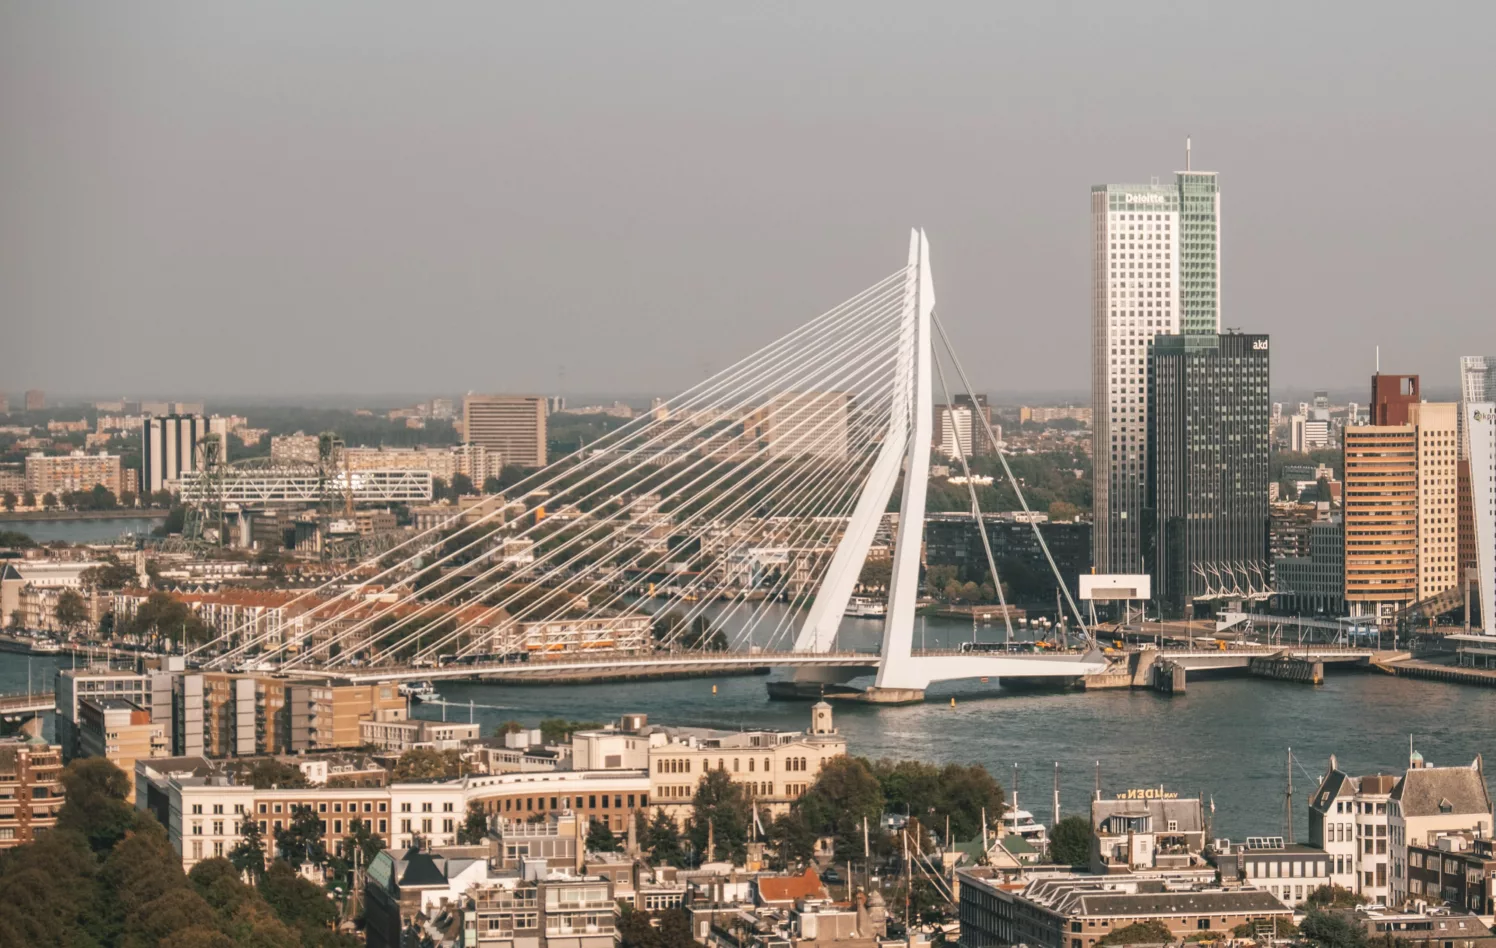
(107, 877)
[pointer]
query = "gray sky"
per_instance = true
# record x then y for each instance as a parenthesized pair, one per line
(365, 197)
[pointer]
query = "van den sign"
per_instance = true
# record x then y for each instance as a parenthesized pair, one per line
(1147, 793)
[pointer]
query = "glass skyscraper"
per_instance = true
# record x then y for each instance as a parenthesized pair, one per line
(1206, 527)
(1155, 272)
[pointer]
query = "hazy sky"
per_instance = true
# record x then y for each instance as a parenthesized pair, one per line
(364, 197)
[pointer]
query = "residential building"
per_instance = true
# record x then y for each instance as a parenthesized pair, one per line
(1071, 911)
(954, 430)
(75, 685)
(120, 731)
(1430, 801)
(1348, 819)
(1156, 271)
(512, 425)
(36, 400)
(1456, 869)
(19, 576)
(1289, 871)
(410, 734)
(1041, 414)
(31, 790)
(75, 471)
(802, 424)
(1206, 509)
(294, 449)
(171, 448)
(1134, 833)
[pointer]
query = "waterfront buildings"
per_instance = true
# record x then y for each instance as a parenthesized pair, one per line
(1289, 871)
(512, 425)
(1401, 505)
(1156, 271)
(1348, 819)
(1134, 834)
(1428, 802)
(1206, 509)
(74, 471)
(31, 790)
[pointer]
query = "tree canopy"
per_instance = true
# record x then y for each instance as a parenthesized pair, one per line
(1070, 841)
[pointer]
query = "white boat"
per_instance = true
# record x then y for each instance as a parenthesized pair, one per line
(861, 607)
(417, 691)
(1017, 822)
(45, 647)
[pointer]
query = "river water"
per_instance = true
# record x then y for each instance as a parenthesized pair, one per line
(1225, 738)
(92, 530)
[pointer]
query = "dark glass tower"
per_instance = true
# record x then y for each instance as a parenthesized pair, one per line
(1206, 534)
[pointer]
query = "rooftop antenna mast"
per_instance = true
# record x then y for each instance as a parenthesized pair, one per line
(1056, 816)
(1186, 153)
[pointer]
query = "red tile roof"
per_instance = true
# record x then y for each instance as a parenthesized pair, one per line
(791, 888)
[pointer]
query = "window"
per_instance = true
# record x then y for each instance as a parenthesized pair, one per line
(218, 809)
(446, 808)
(197, 809)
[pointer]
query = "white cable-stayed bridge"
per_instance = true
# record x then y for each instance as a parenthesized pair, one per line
(727, 528)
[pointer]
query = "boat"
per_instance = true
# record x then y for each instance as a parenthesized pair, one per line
(1016, 822)
(45, 647)
(861, 607)
(417, 691)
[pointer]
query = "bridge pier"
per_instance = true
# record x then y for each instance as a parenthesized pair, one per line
(1169, 678)
(1288, 668)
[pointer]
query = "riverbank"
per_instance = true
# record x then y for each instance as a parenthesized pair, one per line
(58, 516)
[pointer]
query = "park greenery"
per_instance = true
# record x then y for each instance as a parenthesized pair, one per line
(1070, 841)
(106, 877)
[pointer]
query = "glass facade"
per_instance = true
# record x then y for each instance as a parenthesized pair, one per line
(1206, 529)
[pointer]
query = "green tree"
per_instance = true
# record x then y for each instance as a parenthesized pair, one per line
(793, 840)
(721, 815)
(95, 806)
(662, 841)
(909, 786)
(966, 792)
(1329, 930)
(844, 795)
(462, 486)
(600, 838)
(10, 500)
(110, 574)
(491, 486)
(1334, 896)
(1150, 932)
(424, 763)
(49, 501)
(268, 773)
(301, 840)
(1063, 510)
(167, 617)
(72, 610)
(28, 499)
(17, 619)
(560, 730)
(475, 827)
(248, 854)
(1070, 841)
(296, 901)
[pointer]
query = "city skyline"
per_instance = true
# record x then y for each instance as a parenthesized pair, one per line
(562, 217)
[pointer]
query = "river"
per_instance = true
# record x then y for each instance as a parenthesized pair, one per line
(1226, 738)
(89, 530)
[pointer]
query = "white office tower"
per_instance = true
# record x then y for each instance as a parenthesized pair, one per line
(956, 431)
(1156, 270)
(1477, 384)
(1480, 429)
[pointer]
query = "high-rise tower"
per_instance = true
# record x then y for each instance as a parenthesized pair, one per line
(1156, 253)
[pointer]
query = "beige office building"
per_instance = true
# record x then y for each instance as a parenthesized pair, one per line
(1401, 510)
(512, 425)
